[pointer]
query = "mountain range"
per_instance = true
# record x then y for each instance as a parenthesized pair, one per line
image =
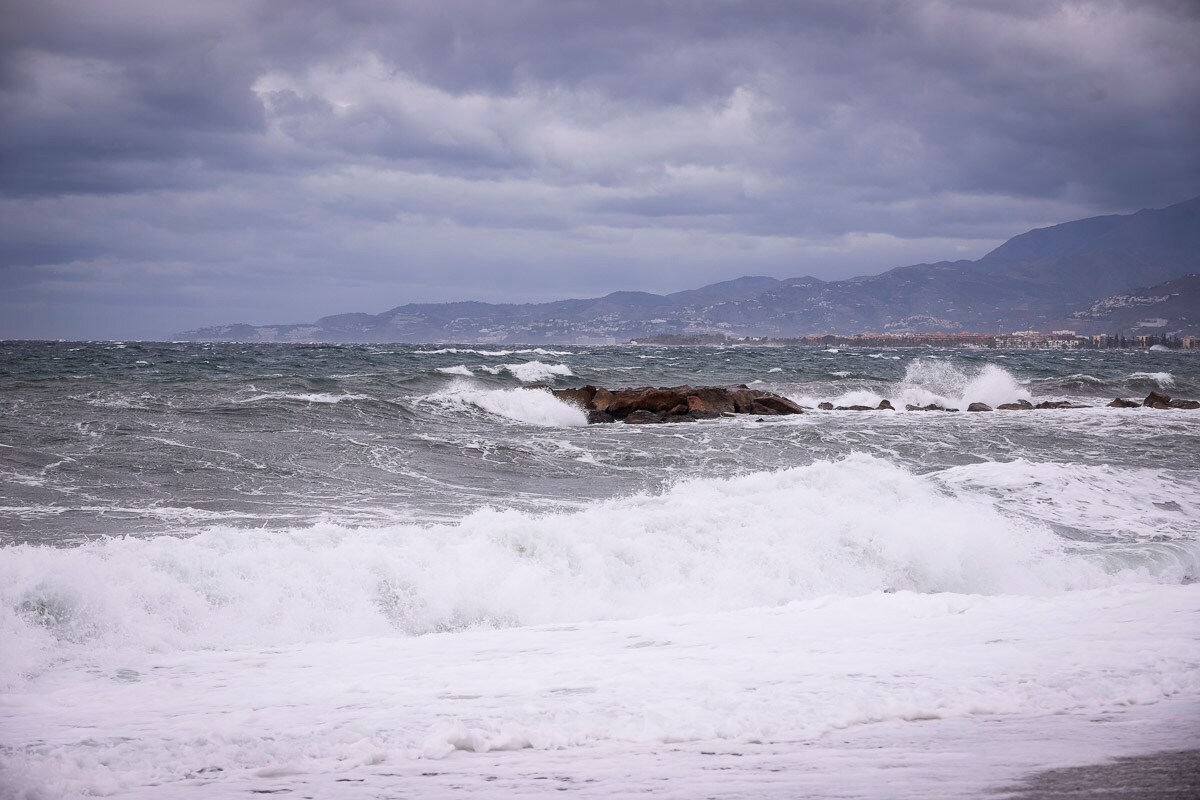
(1135, 273)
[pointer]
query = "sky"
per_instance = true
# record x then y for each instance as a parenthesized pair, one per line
(170, 164)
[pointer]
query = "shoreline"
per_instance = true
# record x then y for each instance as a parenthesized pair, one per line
(1161, 775)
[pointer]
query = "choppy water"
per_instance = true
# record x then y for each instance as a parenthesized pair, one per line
(185, 498)
(114, 439)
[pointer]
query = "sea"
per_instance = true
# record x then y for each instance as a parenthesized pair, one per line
(384, 571)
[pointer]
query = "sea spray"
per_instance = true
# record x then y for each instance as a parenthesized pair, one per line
(934, 380)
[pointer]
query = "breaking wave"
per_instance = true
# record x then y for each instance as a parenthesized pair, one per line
(849, 527)
(456, 350)
(323, 398)
(530, 371)
(534, 406)
(1164, 380)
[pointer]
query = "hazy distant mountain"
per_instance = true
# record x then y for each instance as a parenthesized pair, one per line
(1132, 273)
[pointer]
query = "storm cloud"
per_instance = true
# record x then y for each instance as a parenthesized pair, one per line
(166, 165)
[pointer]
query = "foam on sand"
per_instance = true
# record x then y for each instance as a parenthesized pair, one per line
(611, 700)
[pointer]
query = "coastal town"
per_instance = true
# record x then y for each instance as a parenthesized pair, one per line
(1016, 340)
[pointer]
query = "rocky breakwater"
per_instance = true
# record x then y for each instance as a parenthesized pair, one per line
(1156, 400)
(674, 403)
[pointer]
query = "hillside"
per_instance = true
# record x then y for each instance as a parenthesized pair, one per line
(1131, 273)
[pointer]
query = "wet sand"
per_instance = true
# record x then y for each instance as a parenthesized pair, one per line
(1166, 775)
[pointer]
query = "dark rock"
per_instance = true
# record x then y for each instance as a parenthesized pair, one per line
(581, 397)
(1045, 404)
(1119, 403)
(825, 406)
(885, 405)
(979, 407)
(675, 403)
(710, 399)
(1155, 397)
(854, 408)
(1189, 404)
(1020, 405)
(743, 399)
(601, 399)
(642, 417)
(930, 407)
(776, 404)
(655, 400)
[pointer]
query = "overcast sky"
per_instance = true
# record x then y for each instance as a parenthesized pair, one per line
(169, 164)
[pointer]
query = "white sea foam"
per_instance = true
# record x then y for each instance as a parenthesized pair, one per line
(321, 398)
(848, 527)
(535, 406)
(530, 371)
(1138, 504)
(461, 369)
(456, 350)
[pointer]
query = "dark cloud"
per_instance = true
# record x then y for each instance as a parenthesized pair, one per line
(165, 165)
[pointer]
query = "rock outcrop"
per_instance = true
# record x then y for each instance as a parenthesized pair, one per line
(658, 404)
(1157, 400)
(654, 404)
(930, 407)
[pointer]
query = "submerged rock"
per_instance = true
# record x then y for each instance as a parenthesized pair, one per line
(930, 407)
(826, 406)
(1189, 404)
(1045, 404)
(1119, 403)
